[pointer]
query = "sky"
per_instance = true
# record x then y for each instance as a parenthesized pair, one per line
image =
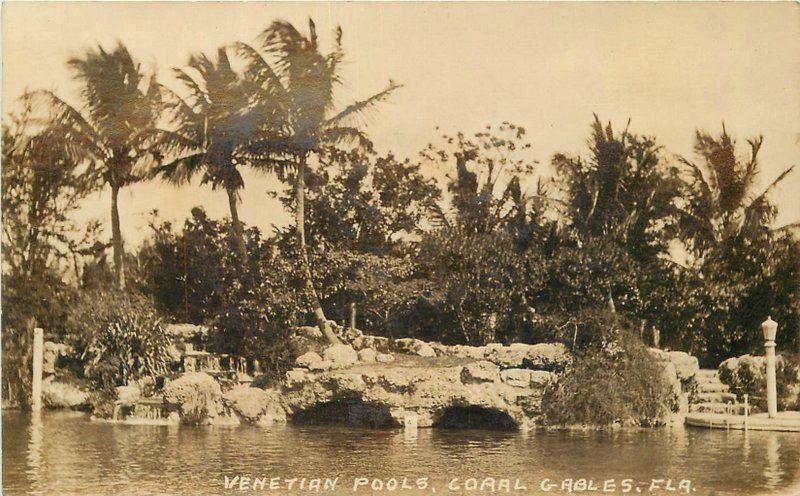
(671, 68)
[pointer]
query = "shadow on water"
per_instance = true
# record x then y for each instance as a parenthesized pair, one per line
(474, 417)
(352, 413)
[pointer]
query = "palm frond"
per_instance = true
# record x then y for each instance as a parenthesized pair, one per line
(180, 171)
(181, 113)
(169, 142)
(80, 138)
(336, 135)
(198, 94)
(774, 183)
(699, 181)
(363, 105)
(258, 70)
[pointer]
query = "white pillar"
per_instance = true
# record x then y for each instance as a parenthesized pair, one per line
(38, 355)
(772, 392)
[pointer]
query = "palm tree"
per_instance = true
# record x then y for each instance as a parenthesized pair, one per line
(211, 124)
(721, 207)
(302, 85)
(624, 189)
(119, 104)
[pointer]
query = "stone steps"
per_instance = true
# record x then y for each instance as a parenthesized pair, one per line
(713, 396)
(711, 387)
(706, 373)
(716, 398)
(724, 408)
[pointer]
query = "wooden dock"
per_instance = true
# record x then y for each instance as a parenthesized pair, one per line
(785, 421)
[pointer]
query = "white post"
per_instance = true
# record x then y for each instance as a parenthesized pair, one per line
(770, 329)
(38, 354)
(772, 393)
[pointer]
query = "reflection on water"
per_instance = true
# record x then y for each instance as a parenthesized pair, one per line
(772, 470)
(64, 453)
(34, 451)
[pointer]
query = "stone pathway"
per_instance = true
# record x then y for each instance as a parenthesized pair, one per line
(713, 396)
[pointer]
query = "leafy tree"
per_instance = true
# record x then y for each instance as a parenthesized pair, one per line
(478, 280)
(743, 266)
(194, 273)
(189, 272)
(119, 105)
(41, 187)
(721, 207)
(624, 190)
(211, 127)
(301, 83)
(367, 203)
(485, 192)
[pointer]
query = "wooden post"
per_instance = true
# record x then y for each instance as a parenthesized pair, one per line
(352, 315)
(38, 355)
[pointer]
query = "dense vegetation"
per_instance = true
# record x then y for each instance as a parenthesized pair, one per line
(612, 379)
(495, 253)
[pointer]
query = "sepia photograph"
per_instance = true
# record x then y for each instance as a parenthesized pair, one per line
(408, 248)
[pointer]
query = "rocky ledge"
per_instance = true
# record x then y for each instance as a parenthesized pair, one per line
(379, 382)
(374, 382)
(416, 390)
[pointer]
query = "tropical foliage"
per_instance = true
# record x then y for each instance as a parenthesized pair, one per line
(683, 251)
(107, 133)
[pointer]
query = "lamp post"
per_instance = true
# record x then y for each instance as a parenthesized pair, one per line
(770, 328)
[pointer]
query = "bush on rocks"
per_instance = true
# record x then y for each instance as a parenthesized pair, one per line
(119, 336)
(619, 383)
(198, 395)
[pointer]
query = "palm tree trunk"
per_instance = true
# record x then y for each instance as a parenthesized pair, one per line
(300, 200)
(116, 236)
(238, 234)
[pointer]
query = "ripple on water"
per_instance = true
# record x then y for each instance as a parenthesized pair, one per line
(65, 453)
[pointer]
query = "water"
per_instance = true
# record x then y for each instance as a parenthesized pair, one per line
(65, 453)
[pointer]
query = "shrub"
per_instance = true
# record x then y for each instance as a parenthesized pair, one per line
(119, 338)
(38, 300)
(618, 381)
(747, 375)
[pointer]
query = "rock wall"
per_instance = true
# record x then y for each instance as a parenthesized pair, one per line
(408, 380)
(680, 371)
(422, 394)
(381, 382)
